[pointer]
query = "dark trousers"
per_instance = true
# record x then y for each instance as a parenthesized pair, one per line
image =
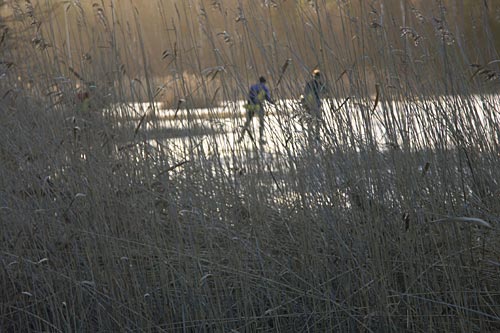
(251, 110)
(314, 119)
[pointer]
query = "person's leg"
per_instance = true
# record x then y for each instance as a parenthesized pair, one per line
(250, 113)
(261, 122)
(246, 127)
(317, 121)
(317, 128)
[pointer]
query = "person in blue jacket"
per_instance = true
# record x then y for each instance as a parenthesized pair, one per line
(258, 94)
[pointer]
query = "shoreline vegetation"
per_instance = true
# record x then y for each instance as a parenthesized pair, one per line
(119, 216)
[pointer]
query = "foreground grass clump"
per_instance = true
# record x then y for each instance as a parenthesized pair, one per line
(390, 223)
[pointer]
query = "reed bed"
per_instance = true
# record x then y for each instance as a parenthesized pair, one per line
(116, 219)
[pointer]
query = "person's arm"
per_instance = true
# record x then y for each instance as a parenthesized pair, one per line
(324, 88)
(268, 95)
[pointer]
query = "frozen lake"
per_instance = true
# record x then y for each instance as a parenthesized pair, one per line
(348, 124)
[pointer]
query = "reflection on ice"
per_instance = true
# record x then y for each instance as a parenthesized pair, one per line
(353, 131)
(349, 124)
(346, 123)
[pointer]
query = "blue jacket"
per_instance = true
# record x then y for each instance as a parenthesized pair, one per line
(258, 93)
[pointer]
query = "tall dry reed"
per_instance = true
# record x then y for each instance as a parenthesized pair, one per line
(114, 219)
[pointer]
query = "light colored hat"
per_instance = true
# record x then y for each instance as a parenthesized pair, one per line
(316, 72)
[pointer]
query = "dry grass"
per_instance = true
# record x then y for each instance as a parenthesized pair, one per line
(105, 226)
